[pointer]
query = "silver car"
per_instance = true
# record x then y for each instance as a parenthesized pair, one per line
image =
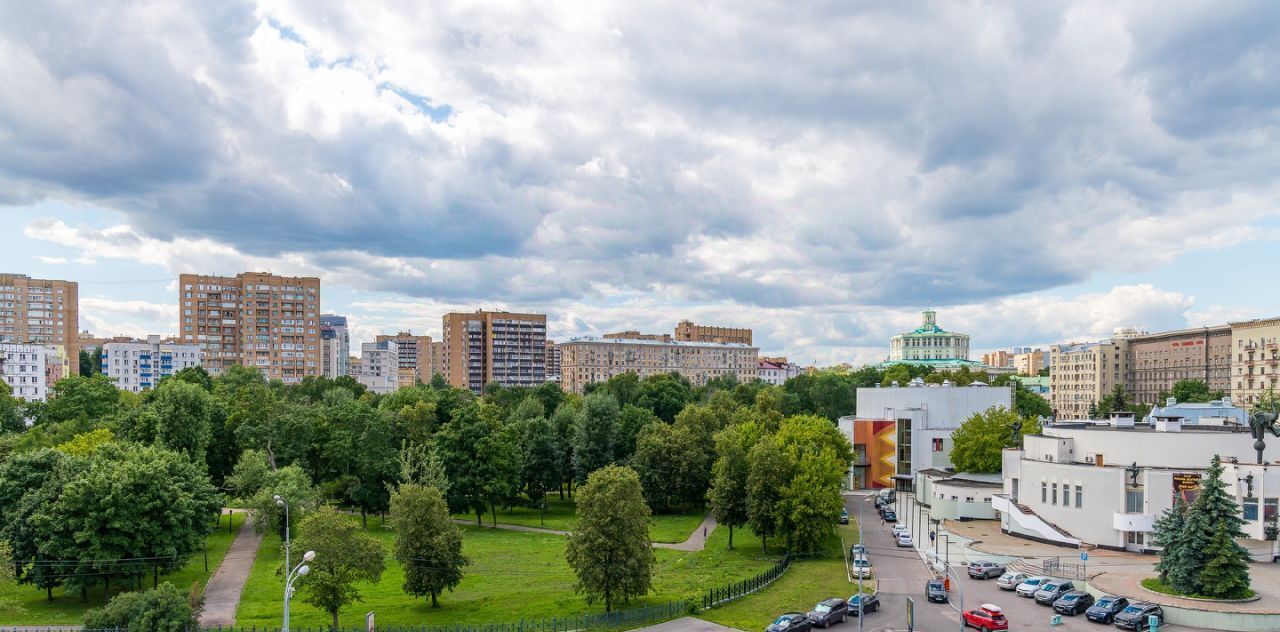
(1029, 586)
(1010, 580)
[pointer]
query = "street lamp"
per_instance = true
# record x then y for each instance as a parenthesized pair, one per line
(280, 502)
(292, 577)
(959, 589)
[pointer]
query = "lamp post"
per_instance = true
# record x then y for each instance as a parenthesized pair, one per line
(280, 502)
(292, 577)
(960, 591)
(859, 571)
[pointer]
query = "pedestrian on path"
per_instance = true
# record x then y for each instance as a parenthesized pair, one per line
(704, 532)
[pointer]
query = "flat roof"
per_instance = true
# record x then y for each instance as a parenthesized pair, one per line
(1143, 428)
(658, 343)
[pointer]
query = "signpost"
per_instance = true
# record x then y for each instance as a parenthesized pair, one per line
(911, 614)
(1084, 559)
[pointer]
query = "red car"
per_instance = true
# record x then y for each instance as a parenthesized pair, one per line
(986, 617)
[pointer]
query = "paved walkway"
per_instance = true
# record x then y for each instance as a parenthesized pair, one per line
(686, 624)
(696, 541)
(222, 594)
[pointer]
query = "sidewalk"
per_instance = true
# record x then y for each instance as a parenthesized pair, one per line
(222, 594)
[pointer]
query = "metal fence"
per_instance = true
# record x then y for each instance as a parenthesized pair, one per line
(1055, 567)
(736, 590)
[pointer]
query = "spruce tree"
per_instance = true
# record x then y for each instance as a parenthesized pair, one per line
(1222, 564)
(1169, 536)
(1226, 574)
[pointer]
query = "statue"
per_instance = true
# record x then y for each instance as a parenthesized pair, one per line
(1260, 422)
(1133, 471)
(1015, 430)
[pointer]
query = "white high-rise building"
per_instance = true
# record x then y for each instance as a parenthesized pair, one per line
(379, 366)
(335, 346)
(25, 368)
(137, 366)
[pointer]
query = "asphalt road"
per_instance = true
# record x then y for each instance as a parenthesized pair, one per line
(900, 574)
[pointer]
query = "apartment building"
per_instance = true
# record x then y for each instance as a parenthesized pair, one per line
(41, 312)
(590, 359)
(138, 365)
(503, 347)
(335, 346)
(776, 371)
(379, 366)
(25, 368)
(257, 319)
(1081, 374)
(1157, 361)
(553, 362)
(998, 358)
(1030, 362)
(414, 355)
(687, 331)
(1255, 359)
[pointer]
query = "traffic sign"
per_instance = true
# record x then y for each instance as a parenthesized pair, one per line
(1084, 556)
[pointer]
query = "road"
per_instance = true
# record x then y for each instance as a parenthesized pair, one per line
(900, 573)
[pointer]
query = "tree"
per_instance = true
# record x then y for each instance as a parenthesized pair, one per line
(290, 483)
(625, 387)
(344, 555)
(194, 375)
(771, 471)
(631, 421)
(90, 361)
(1027, 403)
(1212, 529)
(812, 501)
(541, 467)
(670, 466)
(1194, 391)
(666, 394)
(78, 397)
(897, 373)
(428, 543)
(422, 465)
(29, 482)
(563, 421)
(160, 609)
(1118, 401)
(249, 475)
(1168, 535)
(87, 443)
(609, 549)
(833, 395)
(8, 605)
(1226, 573)
(177, 418)
(10, 410)
(979, 442)
(481, 457)
(727, 497)
(594, 434)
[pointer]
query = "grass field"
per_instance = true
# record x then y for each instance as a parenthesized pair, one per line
(671, 527)
(67, 608)
(513, 576)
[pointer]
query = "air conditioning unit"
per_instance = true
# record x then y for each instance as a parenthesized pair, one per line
(1088, 459)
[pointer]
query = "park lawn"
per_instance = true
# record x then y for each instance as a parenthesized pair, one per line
(513, 575)
(805, 583)
(674, 526)
(67, 608)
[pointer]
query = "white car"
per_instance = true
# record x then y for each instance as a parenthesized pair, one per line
(904, 539)
(862, 568)
(899, 529)
(1029, 586)
(1010, 580)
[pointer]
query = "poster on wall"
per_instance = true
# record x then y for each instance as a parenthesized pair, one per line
(1186, 486)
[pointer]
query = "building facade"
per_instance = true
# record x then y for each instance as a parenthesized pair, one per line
(1255, 359)
(335, 346)
(139, 365)
(414, 356)
(25, 368)
(687, 331)
(380, 370)
(1030, 362)
(898, 431)
(1157, 361)
(998, 358)
(1081, 374)
(503, 347)
(553, 362)
(776, 371)
(256, 319)
(929, 342)
(41, 312)
(589, 360)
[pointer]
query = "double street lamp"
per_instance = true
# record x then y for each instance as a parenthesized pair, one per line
(291, 575)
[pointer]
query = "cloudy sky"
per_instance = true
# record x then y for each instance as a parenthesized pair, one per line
(1038, 172)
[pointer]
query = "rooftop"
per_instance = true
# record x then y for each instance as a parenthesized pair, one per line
(658, 343)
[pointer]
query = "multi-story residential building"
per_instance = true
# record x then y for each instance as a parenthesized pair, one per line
(998, 358)
(439, 360)
(687, 331)
(41, 312)
(1255, 359)
(257, 319)
(415, 355)
(1157, 361)
(1029, 361)
(335, 346)
(380, 368)
(1081, 374)
(632, 334)
(776, 371)
(503, 347)
(553, 362)
(590, 359)
(25, 368)
(138, 365)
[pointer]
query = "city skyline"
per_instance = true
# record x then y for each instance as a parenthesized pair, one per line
(1036, 174)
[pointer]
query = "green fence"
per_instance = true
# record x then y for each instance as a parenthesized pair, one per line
(737, 590)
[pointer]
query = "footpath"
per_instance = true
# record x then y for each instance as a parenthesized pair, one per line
(222, 594)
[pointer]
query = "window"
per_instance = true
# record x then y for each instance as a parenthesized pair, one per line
(1055, 494)
(1066, 495)
(1133, 501)
(937, 444)
(1269, 507)
(1079, 496)
(1250, 508)
(1044, 492)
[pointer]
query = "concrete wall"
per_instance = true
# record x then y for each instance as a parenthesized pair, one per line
(1188, 448)
(1103, 493)
(948, 500)
(943, 407)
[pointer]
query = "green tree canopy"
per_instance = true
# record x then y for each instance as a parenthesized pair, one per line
(727, 497)
(979, 442)
(481, 458)
(670, 466)
(540, 471)
(666, 394)
(345, 555)
(92, 398)
(428, 543)
(631, 420)
(290, 483)
(609, 549)
(178, 418)
(594, 434)
(771, 470)
(1193, 391)
(160, 609)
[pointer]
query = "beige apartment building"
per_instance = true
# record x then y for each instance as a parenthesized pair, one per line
(504, 347)
(41, 312)
(588, 360)
(1030, 362)
(687, 331)
(257, 319)
(1157, 361)
(998, 359)
(415, 356)
(1081, 374)
(1255, 359)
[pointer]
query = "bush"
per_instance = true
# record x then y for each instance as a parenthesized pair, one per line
(161, 609)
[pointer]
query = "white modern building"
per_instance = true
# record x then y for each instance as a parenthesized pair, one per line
(775, 372)
(26, 368)
(898, 431)
(139, 365)
(1106, 483)
(379, 366)
(957, 495)
(335, 346)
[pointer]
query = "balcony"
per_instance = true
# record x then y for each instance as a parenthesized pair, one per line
(1133, 521)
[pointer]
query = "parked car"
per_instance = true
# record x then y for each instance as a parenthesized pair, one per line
(1029, 587)
(889, 515)
(1105, 609)
(1052, 590)
(828, 611)
(844, 516)
(790, 622)
(857, 550)
(935, 590)
(986, 617)
(888, 495)
(1010, 580)
(904, 539)
(984, 569)
(862, 567)
(1134, 616)
(898, 528)
(1073, 603)
(869, 601)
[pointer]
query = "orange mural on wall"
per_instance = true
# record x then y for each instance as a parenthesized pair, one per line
(881, 441)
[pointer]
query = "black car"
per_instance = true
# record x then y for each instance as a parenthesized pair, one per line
(1134, 616)
(790, 622)
(870, 603)
(889, 515)
(828, 611)
(935, 590)
(1104, 610)
(1073, 603)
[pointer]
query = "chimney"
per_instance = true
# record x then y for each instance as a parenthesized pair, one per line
(1168, 424)
(1172, 401)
